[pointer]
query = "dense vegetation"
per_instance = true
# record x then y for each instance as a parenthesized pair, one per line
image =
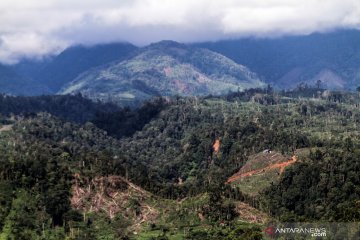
(168, 147)
(70, 108)
(325, 187)
(166, 68)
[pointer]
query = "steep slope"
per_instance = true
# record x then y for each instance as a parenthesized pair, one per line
(166, 68)
(63, 68)
(113, 195)
(263, 169)
(74, 181)
(286, 62)
(13, 83)
(69, 175)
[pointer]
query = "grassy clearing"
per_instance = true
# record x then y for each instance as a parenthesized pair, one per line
(256, 183)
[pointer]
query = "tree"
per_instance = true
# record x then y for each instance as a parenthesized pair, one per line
(23, 221)
(216, 210)
(5, 199)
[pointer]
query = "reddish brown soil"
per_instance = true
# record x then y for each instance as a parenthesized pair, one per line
(168, 71)
(182, 86)
(281, 166)
(216, 146)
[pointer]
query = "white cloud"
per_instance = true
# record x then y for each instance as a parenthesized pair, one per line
(34, 28)
(15, 46)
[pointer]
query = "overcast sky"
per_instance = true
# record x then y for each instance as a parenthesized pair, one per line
(34, 28)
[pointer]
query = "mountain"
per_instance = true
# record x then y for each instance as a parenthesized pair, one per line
(56, 71)
(333, 58)
(129, 74)
(13, 83)
(165, 68)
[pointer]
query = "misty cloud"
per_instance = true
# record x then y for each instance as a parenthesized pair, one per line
(35, 28)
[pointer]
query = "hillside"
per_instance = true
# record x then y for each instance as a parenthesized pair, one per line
(287, 62)
(127, 74)
(166, 68)
(168, 178)
(56, 71)
(13, 83)
(73, 180)
(263, 169)
(69, 108)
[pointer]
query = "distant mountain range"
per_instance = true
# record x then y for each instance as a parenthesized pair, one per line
(125, 73)
(17, 84)
(166, 68)
(53, 73)
(333, 58)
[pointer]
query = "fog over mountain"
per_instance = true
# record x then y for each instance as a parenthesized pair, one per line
(289, 62)
(34, 29)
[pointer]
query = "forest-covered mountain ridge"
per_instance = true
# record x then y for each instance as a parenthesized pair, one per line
(166, 68)
(285, 62)
(169, 161)
(327, 59)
